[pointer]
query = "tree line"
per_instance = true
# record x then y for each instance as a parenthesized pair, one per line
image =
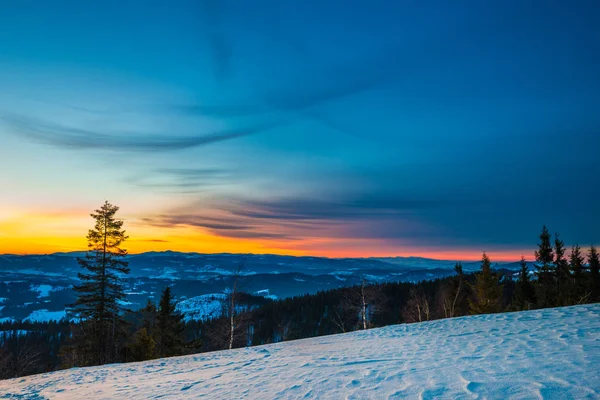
(102, 330)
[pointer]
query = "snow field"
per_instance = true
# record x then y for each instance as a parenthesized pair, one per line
(541, 354)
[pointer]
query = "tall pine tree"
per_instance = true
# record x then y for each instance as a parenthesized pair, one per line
(98, 305)
(578, 281)
(594, 281)
(487, 290)
(545, 285)
(562, 275)
(169, 327)
(524, 291)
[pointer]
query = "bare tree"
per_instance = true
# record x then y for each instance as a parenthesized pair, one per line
(234, 314)
(339, 318)
(417, 308)
(24, 361)
(452, 294)
(362, 301)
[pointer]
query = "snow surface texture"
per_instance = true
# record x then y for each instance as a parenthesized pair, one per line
(549, 354)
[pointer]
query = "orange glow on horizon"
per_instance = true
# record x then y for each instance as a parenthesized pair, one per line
(27, 233)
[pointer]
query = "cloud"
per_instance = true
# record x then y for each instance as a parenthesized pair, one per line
(295, 219)
(323, 209)
(231, 227)
(221, 111)
(183, 180)
(171, 220)
(76, 138)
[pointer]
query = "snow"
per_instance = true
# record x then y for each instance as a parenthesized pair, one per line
(167, 273)
(541, 354)
(44, 290)
(200, 308)
(45, 316)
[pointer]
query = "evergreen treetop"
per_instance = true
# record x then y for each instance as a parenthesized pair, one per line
(487, 290)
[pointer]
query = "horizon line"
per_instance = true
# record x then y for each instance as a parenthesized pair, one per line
(468, 259)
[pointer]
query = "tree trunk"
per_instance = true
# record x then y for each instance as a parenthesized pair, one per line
(364, 305)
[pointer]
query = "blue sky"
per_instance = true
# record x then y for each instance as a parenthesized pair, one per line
(304, 127)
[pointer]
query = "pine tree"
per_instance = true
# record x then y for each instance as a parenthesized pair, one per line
(98, 305)
(524, 291)
(487, 290)
(143, 346)
(594, 280)
(577, 264)
(562, 273)
(169, 327)
(148, 316)
(545, 272)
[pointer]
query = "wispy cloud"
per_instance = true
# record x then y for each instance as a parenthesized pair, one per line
(300, 218)
(61, 135)
(183, 180)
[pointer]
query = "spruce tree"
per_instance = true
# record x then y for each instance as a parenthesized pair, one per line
(148, 316)
(562, 273)
(169, 327)
(101, 290)
(594, 280)
(545, 285)
(576, 264)
(143, 346)
(524, 291)
(487, 290)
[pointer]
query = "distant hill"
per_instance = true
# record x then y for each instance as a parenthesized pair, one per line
(194, 274)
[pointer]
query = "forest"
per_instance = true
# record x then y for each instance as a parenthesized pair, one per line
(101, 330)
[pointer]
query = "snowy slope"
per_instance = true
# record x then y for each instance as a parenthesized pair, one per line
(550, 354)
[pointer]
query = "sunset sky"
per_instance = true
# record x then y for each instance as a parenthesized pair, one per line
(354, 128)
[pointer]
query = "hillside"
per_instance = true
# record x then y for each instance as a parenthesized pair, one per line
(550, 354)
(38, 287)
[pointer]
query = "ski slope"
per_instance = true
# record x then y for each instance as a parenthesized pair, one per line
(542, 354)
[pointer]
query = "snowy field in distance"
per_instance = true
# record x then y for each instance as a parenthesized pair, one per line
(549, 354)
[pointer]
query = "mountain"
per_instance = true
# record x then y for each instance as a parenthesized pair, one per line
(550, 353)
(40, 286)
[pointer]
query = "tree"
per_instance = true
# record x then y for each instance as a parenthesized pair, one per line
(545, 271)
(562, 273)
(579, 293)
(417, 308)
(101, 290)
(524, 292)
(487, 290)
(148, 316)
(594, 281)
(232, 307)
(169, 327)
(362, 301)
(231, 328)
(453, 296)
(143, 346)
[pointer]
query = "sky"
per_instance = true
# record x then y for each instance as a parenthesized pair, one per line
(341, 129)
